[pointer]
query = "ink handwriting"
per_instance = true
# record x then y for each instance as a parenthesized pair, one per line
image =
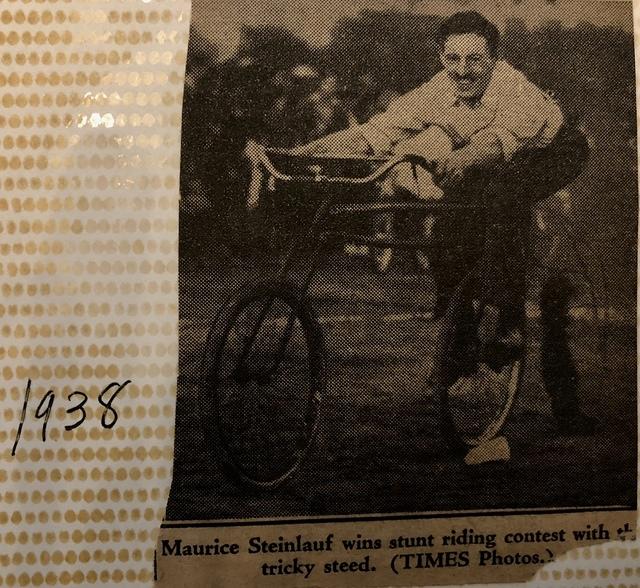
(76, 400)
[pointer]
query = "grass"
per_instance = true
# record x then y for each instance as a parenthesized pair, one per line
(378, 448)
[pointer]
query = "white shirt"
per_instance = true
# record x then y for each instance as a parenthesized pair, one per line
(516, 111)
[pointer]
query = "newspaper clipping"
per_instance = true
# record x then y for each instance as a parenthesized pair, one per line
(407, 292)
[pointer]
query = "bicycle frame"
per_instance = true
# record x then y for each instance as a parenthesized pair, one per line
(317, 236)
(261, 358)
(330, 207)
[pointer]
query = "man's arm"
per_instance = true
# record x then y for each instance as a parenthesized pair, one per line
(483, 151)
(348, 141)
(526, 118)
(405, 117)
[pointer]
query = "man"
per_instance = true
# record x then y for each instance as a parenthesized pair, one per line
(489, 134)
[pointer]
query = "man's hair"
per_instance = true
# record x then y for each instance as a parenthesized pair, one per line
(462, 23)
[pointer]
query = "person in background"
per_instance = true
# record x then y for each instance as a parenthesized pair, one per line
(305, 106)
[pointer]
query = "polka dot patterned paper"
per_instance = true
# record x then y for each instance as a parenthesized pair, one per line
(91, 96)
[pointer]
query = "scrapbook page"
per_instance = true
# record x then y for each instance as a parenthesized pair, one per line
(318, 294)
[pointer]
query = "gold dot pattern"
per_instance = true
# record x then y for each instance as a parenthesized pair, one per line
(613, 565)
(90, 106)
(90, 100)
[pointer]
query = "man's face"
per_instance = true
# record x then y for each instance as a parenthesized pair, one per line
(469, 63)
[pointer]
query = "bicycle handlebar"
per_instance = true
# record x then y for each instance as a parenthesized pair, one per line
(259, 154)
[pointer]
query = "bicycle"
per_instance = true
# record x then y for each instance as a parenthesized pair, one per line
(264, 365)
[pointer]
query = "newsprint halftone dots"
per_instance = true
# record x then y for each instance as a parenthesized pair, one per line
(91, 98)
(406, 395)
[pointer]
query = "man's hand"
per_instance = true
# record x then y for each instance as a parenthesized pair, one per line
(484, 151)
(449, 173)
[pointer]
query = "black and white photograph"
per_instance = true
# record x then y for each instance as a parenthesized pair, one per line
(407, 260)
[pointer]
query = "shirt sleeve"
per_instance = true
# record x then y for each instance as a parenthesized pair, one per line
(526, 118)
(405, 117)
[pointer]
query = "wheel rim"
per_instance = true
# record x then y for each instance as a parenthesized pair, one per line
(266, 393)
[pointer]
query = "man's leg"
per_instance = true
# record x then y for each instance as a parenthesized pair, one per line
(405, 181)
(513, 194)
(414, 181)
(349, 141)
(530, 177)
(503, 272)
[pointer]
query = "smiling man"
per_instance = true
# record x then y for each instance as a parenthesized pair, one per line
(488, 109)
(495, 137)
(475, 114)
(491, 136)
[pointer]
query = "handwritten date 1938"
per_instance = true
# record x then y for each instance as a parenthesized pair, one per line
(77, 399)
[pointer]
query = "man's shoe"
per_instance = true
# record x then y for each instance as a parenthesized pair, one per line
(496, 449)
(577, 425)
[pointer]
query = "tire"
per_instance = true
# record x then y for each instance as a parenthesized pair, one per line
(259, 400)
(474, 400)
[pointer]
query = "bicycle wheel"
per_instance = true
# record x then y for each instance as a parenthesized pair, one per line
(475, 393)
(263, 380)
